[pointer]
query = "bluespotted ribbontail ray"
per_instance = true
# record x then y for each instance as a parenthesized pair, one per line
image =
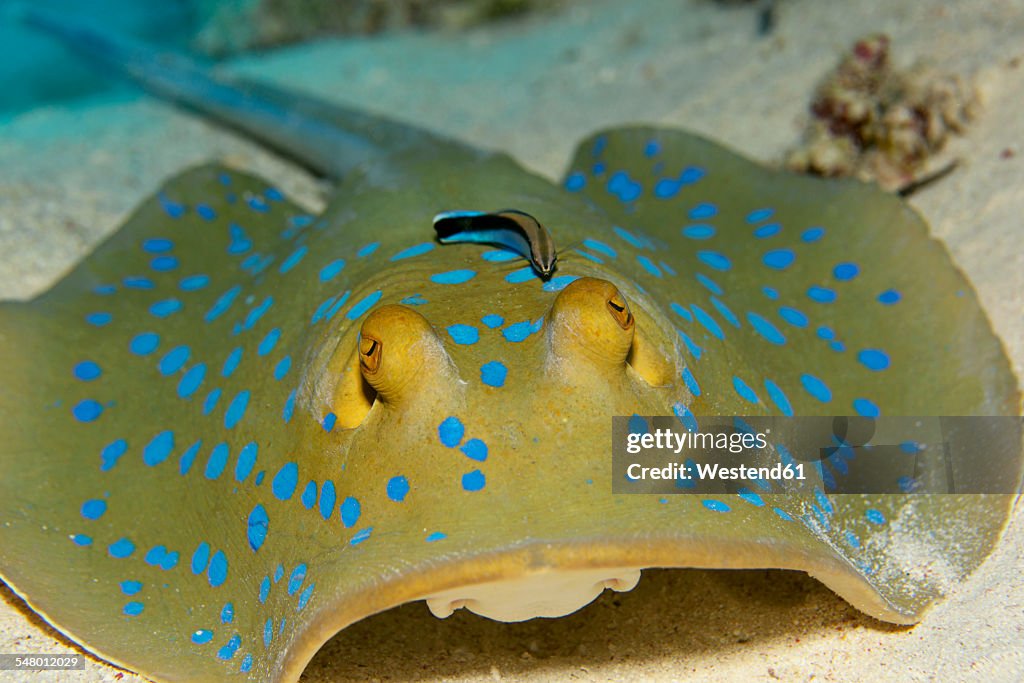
(192, 457)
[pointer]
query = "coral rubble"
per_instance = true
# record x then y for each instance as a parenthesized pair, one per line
(874, 121)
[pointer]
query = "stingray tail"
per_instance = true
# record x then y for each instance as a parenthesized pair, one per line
(328, 139)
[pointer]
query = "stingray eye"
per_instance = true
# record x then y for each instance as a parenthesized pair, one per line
(590, 320)
(620, 311)
(398, 352)
(369, 354)
(397, 356)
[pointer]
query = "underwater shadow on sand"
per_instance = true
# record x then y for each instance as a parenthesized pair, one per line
(678, 617)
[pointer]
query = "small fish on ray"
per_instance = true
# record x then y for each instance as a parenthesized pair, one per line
(515, 230)
(236, 428)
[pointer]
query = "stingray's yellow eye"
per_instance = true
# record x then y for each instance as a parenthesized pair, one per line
(591, 321)
(620, 311)
(397, 355)
(398, 351)
(369, 354)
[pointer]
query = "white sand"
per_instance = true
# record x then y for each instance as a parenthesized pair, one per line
(70, 174)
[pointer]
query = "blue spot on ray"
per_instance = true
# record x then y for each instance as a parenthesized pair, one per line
(451, 431)
(217, 573)
(331, 270)
(889, 297)
(227, 614)
(475, 449)
(223, 303)
(282, 368)
(87, 371)
(298, 575)
(189, 457)
(350, 511)
(845, 271)
(629, 238)
(258, 525)
(822, 295)
(191, 380)
(699, 231)
(715, 505)
(293, 260)
(703, 210)
(98, 319)
(328, 498)
(600, 247)
(778, 397)
(744, 390)
(368, 249)
(157, 245)
(707, 321)
(793, 316)
(493, 373)
(474, 481)
(779, 259)
(144, 344)
(363, 305)
(522, 275)
(558, 283)
(163, 263)
(94, 509)
(111, 453)
(218, 461)
(285, 481)
(715, 260)
(725, 312)
(464, 334)
(246, 460)
(517, 332)
(499, 256)
(816, 388)
(873, 359)
(709, 284)
(236, 411)
(268, 342)
(691, 382)
(159, 448)
(121, 548)
(309, 495)
(453, 277)
(416, 250)
(398, 488)
(686, 416)
(648, 265)
(232, 361)
(812, 234)
(624, 187)
(765, 328)
(174, 360)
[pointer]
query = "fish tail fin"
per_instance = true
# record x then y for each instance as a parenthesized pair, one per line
(329, 140)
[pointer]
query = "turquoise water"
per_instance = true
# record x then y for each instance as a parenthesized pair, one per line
(36, 70)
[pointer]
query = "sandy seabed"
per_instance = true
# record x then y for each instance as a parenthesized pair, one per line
(71, 173)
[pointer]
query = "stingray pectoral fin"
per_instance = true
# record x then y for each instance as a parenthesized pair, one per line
(129, 441)
(798, 296)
